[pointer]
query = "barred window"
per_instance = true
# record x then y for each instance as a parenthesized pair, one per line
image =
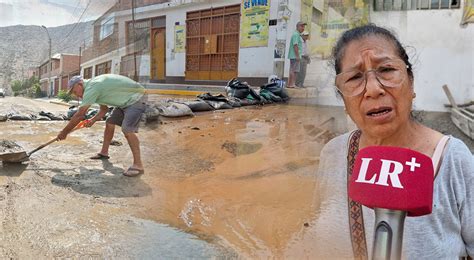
(88, 73)
(127, 65)
(399, 5)
(103, 68)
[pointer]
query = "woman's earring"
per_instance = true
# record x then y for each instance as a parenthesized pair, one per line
(414, 94)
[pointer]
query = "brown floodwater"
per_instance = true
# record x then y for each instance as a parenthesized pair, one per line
(243, 179)
(246, 176)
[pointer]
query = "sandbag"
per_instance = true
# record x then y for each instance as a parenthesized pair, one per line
(43, 118)
(20, 117)
(234, 102)
(173, 109)
(277, 87)
(151, 114)
(219, 104)
(198, 106)
(270, 96)
(253, 94)
(250, 102)
(237, 92)
(209, 96)
(237, 89)
(51, 116)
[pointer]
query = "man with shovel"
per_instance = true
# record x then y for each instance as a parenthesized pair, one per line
(129, 101)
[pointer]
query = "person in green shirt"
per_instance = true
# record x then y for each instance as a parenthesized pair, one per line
(294, 53)
(129, 101)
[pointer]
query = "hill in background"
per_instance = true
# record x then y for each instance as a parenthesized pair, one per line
(23, 47)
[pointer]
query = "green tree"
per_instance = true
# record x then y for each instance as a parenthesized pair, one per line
(16, 86)
(64, 95)
(31, 85)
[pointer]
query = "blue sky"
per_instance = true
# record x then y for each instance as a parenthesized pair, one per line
(50, 12)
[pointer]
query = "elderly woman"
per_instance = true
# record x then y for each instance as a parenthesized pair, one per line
(375, 79)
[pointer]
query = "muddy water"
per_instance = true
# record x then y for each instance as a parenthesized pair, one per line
(242, 181)
(245, 176)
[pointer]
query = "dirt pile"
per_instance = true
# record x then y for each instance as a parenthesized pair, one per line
(7, 146)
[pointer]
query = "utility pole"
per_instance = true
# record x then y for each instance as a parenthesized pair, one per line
(50, 62)
(80, 58)
(135, 74)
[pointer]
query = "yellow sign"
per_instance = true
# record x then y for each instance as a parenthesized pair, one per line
(254, 23)
(336, 17)
(179, 38)
(468, 15)
(307, 13)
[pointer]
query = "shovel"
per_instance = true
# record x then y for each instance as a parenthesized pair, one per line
(22, 156)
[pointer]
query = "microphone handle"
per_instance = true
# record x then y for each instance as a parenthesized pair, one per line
(388, 234)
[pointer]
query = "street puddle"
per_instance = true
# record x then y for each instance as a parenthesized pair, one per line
(259, 193)
(241, 179)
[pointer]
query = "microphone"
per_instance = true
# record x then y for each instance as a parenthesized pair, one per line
(395, 182)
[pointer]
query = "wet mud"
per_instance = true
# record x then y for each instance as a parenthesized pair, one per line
(226, 184)
(7, 146)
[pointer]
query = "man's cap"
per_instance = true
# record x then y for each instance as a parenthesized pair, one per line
(305, 33)
(73, 81)
(300, 23)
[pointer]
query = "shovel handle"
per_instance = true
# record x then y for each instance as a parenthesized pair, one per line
(43, 146)
(82, 124)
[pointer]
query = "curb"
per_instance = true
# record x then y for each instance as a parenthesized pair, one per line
(181, 90)
(59, 103)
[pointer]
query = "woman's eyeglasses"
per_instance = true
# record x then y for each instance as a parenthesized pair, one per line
(390, 74)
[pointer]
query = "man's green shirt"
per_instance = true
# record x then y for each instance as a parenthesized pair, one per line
(295, 39)
(112, 90)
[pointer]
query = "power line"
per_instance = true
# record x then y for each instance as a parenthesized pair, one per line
(75, 25)
(73, 44)
(75, 8)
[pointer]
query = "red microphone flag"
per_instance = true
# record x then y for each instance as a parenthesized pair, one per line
(393, 178)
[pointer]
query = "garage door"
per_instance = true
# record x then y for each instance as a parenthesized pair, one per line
(212, 43)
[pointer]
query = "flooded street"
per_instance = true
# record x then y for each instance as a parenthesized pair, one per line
(228, 183)
(237, 183)
(247, 176)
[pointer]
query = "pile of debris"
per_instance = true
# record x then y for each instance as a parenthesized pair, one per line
(41, 116)
(238, 94)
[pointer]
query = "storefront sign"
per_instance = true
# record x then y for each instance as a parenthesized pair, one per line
(254, 23)
(336, 17)
(468, 14)
(179, 38)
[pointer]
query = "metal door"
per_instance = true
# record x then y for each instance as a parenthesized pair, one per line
(212, 43)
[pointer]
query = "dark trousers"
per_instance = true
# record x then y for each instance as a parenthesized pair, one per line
(300, 76)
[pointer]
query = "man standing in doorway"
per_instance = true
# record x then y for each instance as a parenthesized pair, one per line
(295, 53)
(305, 60)
(129, 101)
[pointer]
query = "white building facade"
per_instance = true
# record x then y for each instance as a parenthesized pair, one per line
(441, 50)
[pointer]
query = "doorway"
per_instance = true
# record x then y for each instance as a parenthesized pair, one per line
(212, 43)
(158, 58)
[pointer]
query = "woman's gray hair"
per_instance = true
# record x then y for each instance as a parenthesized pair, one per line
(360, 32)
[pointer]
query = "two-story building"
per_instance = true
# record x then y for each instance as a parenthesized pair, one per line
(175, 42)
(210, 42)
(32, 72)
(64, 66)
